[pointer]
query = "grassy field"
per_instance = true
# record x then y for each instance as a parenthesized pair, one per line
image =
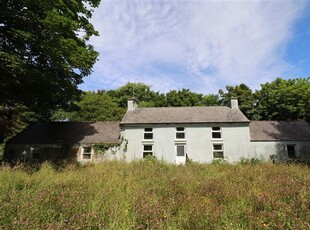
(154, 195)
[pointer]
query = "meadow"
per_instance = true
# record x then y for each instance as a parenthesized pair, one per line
(154, 195)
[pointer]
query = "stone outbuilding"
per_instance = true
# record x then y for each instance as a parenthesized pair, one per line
(54, 141)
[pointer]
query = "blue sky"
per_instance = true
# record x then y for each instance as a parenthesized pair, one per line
(202, 45)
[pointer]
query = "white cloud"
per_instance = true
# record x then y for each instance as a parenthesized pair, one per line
(201, 45)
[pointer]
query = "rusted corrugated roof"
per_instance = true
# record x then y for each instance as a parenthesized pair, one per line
(69, 133)
(279, 130)
(164, 115)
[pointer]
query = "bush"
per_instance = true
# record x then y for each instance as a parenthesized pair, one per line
(1, 151)
(253, 161)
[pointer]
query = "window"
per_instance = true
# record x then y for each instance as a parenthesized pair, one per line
(147, 150)
(86, 153)
(291, 151)
(180, 133)
(218, 151)
(148, 133)
(180, 150)
(216, 133)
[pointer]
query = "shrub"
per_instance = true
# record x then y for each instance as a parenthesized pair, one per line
(252, 161)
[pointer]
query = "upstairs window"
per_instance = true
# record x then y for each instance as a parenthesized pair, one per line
(147, 150)
(216, 133)
(218, 151)
(87, 153)
(180, 133)
(148, 133)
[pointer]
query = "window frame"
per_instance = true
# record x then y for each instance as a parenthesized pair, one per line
(180, 132)
(216, 131)
(148, 131)
(216, 151)
(87, 153)
(145, 152)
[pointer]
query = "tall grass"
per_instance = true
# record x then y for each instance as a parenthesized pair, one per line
(154, 195)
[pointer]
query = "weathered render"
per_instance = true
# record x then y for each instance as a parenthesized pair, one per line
(280, 140)
(54, 141)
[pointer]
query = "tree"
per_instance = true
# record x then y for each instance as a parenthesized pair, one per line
(245, 97)
(93, 107)
(284, 99)
(44, 52)
(140, 91)
(210, 100)
(185, 97)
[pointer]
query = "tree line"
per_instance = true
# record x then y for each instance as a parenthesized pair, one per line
(280, 99)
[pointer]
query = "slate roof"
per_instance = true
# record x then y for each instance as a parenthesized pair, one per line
(279, 130)
(167, 115)
(69, 133)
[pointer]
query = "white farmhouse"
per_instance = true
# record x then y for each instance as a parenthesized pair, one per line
(174, 134)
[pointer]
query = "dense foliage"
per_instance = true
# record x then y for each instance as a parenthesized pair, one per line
(44, 55)
(284, 100)
(279, 100)
(154, 195)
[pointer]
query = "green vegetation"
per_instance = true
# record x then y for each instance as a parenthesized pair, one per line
(153, 195)
(44, 55)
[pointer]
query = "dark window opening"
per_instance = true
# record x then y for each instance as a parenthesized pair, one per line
(218, 151)
(86, 153)
(147, 150)
(148, 133)
(216, 133)
(87, 149)
(180, 133)
(291, 151)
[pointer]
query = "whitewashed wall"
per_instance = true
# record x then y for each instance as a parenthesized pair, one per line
(264, 149)
(198, 139)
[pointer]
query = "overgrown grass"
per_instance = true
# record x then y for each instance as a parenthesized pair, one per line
(154, 195)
